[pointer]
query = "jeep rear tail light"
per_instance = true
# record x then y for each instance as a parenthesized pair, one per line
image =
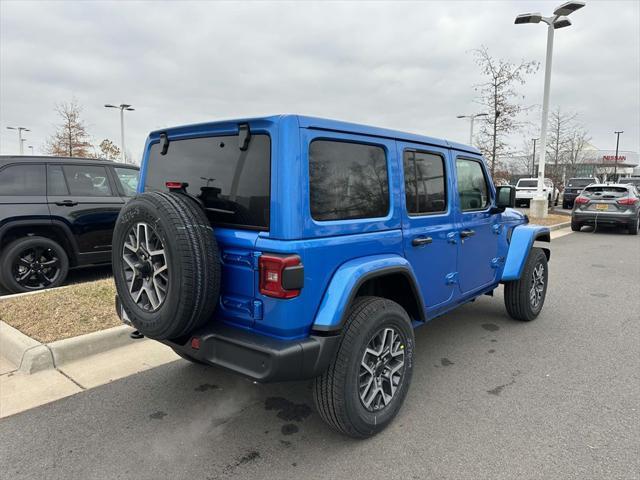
(281, 276)
(627, 201)
(579, 200)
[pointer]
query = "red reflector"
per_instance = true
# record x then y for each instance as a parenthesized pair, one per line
(627, 201)
(174, 185)
(195, 343)
(271, 269)
(581, 199)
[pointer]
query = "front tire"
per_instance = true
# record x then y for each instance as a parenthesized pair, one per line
(365, 385)
(524, 298)
(33, 263)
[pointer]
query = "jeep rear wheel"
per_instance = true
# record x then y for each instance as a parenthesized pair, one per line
(165, 264)
(524, 298)
(365, 385)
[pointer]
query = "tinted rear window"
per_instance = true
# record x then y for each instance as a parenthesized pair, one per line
(347, 180)
(233, 185)
(23, 180)
(579, 182)
(527, 183)
(605, 190)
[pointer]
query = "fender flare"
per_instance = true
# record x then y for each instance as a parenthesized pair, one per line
(522, 240)
(50, 223)
(346, 281)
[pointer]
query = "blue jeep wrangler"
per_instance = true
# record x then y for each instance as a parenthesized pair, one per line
(290, 247)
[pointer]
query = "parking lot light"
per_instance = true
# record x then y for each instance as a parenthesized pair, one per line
(122, 107)
(471, 120)
(20, 141)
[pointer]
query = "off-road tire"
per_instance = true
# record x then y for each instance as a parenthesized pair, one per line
(192, 260)
(336, 392)
(517, 292)
(19, 245)
(575, 226)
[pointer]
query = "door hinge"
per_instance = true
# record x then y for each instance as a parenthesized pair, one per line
(452, 278)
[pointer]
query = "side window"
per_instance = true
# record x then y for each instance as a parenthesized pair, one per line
(56, 184)
(87, 181)
(23, 180)
(347, 180)
(128, 178)
(424, 183)
(472, 185)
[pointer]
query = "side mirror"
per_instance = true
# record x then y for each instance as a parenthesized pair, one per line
(505, 197)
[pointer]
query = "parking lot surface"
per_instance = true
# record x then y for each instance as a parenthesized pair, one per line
(490, 398)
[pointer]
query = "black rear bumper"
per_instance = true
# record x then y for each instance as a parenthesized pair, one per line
(261, 358)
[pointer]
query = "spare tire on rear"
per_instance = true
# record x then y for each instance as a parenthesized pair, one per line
(165, 264)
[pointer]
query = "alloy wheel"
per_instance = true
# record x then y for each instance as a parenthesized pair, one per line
(537, 286)
(381, 369)
(36, 268)
(145, 267)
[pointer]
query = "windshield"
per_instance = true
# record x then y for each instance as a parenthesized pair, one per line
(579, 182)
(128, 178)
(604, 191)
(233, 185)
(527, 183)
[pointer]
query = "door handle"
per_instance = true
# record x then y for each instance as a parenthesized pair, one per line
(67, 203)
(420, 241)
(467, 233)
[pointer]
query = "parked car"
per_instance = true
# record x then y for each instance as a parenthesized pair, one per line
(573, 188)
(635, 181)
(290, 247)
(607, 204)
(526, 189)
(57, 213)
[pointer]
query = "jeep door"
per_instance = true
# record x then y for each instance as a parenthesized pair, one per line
(429, 221)
(478, 228)
(84, 197)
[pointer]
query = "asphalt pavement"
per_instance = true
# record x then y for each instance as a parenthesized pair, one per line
(491, 398)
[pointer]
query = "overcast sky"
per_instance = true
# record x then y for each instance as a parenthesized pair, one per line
(403, 65)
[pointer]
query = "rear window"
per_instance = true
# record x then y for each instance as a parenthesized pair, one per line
(527, 183)
(233, 185)
(347, 180)
(579, 182)
(605, 190)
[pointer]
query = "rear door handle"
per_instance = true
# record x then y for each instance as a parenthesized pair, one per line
(467, 233)
(420, 241)
(67, 203)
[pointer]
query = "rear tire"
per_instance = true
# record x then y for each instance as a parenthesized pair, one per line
(354, 395)
(633, 228)
(33, 263)
(165, 264)
(575, 226)
(524, 298)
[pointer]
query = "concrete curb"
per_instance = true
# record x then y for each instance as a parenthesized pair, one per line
(559, 226)
(36, 292)
(31, 356)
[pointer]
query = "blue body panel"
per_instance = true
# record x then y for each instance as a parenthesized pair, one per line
(522, 240)
(337, 255)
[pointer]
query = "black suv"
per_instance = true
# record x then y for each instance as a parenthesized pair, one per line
(57, 213)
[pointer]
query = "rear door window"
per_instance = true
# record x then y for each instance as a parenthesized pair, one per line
(87, 180)
(347, 180)
(472, 185)
(23, 180)
(233, 185)
(424, 183)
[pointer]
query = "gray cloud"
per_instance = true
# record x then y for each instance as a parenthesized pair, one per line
(403, 65)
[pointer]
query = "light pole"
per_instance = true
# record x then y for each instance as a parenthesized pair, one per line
(20, 130)
(533, 160)
(471, 119)
(559, 19)
(615, 159)
(31, 147)
(122, 107)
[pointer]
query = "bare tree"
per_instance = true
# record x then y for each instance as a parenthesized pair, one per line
(577, 141)
(499, 97)
(109, 150)
(561, 127)
(71, 137)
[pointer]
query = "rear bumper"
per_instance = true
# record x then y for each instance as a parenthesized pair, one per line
(261, 358)
(608, 218)
(258, 357)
